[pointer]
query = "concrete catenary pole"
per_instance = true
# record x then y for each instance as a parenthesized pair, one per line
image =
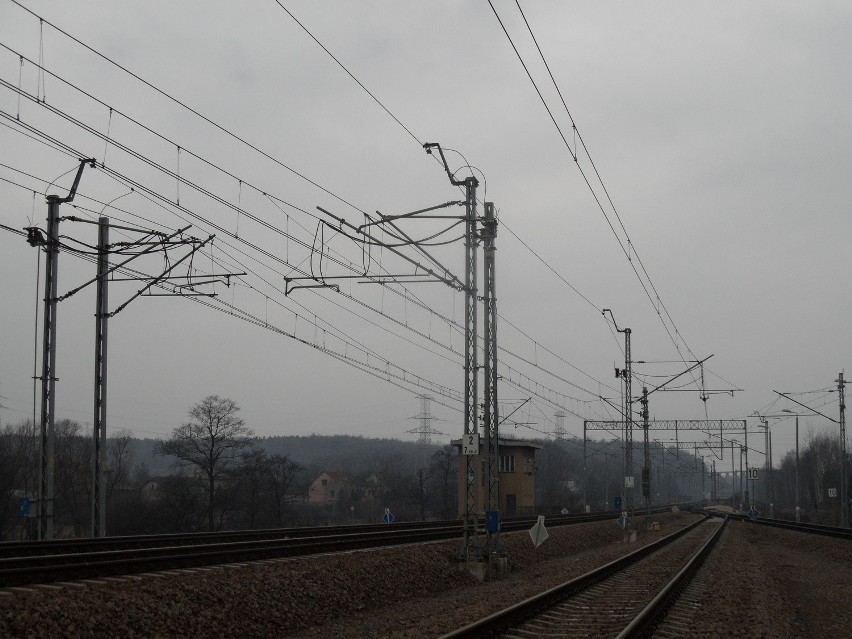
(99, 458)
(48, 368)
(48, 372)
(844, 504)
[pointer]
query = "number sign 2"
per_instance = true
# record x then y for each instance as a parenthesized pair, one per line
(470, 444)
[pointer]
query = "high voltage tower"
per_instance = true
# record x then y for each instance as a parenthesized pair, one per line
(425, 417)
(181, 285)
(559, 428)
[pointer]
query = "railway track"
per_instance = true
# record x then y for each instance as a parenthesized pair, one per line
(101, 544)
(98, 544)
(814, 529)
(624, 598)
(23, 563)
(23, 570)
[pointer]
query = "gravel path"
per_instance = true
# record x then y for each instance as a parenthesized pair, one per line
(418, 591)
(776, 583)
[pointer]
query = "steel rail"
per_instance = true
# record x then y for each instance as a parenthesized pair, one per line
(45, 568)
(95, 544)
(654, 613)
(814, 529)
(16, 571)
(496, 623)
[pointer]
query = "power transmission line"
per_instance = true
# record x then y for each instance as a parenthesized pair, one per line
(238, 210)
(630, 245)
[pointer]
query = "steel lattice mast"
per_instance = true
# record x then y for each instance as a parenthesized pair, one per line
(626, 374)
(559, 429)
(470, 441)
(646, 469)
(492, 505)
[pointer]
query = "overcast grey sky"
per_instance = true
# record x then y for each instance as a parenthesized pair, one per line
(721, 132)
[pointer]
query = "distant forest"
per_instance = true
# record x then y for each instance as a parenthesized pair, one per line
(345, 453)
(264, 481)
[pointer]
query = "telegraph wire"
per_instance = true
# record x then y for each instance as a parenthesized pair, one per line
(340, 64)
(403, 376)
(176, 175)
(536, 393)
(467, 164)
(106, 139)
(588, 183)
(385, 375)
(166, 139)
(306, 311)
(551, 269)
(220, 127)
(122, 180)
(363, 347)
(209, 194)
(535, 86)
(186, 107)
(367, 350)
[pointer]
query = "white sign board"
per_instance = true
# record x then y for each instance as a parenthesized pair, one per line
(628, 482)
(832, 492)
(752, 473)
(539, 533)
(470, 444)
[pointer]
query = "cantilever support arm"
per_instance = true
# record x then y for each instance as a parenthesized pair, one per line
(434, 145)
(70, 197)
(162, 277)
(787, 396)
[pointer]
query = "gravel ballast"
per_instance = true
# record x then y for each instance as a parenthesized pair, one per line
(419, 591)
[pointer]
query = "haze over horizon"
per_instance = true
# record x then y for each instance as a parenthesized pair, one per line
(720, 134)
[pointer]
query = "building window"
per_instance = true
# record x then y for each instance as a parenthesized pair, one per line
(507, 463)
(325, 482)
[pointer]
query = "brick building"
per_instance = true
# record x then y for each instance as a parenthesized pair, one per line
(517, 477)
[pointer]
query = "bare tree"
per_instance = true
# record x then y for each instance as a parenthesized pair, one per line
(17, 475)
(211, 442)
(73, 458)
(442, 470)
(250, 476)
(282, 471)
(120, 460)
